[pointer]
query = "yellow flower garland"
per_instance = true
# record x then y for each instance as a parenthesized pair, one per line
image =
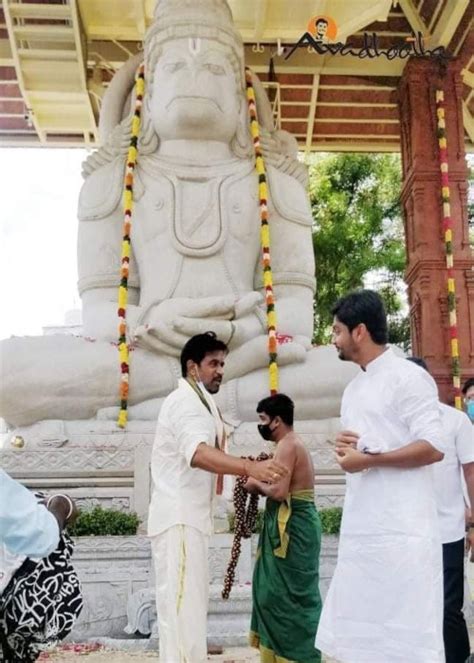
(264, 236)
(448, 242)
(125, 259)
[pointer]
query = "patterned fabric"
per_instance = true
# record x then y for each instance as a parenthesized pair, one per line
(40, 605)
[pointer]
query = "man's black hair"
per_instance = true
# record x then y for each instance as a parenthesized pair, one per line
(467, 385)
(198, 347)
(278, 405)
(419, 362)
(363, 307)
(322, 20)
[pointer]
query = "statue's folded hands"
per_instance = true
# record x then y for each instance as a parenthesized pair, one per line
(157, 329)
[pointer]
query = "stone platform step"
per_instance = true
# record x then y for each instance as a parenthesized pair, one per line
(228, 620)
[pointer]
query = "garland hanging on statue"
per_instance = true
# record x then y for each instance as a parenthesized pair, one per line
(448, 241)
(264, 235)
(125, 258)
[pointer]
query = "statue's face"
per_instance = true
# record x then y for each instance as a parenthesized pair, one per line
(194, 93)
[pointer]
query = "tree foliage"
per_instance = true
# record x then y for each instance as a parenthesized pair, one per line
(357, 234)
(104, 522)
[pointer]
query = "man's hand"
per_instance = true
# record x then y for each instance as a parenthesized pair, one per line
(347, 438)
(267, 470)
(470, 543)
(251, 486)
(60, 507)
(352, 460)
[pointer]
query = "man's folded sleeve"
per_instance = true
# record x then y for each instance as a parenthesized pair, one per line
(190, 427)
(419, 408)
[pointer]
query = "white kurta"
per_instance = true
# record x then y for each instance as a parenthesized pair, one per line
(448, 474)
(385, 602)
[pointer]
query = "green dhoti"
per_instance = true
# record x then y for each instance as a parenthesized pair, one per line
(285, 589)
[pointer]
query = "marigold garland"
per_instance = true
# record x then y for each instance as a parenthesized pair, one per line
(125, 260)
(264, 236)
(246, 510)
(448, 241)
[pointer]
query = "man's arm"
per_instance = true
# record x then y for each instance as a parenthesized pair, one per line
(286, 454)
(465, 452)
(214, 460)
(468, 471)
(415, 454)
(26, 527)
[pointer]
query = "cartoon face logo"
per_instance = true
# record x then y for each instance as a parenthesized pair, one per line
(322, 28)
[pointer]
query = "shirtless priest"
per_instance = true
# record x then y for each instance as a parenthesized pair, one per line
(285, 588)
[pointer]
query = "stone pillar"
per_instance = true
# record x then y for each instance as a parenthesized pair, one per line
(422, 207)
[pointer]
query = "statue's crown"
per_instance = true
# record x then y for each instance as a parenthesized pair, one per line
(208, 19)
(206, 11)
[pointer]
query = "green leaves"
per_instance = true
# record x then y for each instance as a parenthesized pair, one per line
(331, 519)
(104, 522)
(358, 230)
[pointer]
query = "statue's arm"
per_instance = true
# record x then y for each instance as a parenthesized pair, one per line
(99, 254)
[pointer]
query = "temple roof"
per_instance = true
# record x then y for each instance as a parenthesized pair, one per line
(57, 58)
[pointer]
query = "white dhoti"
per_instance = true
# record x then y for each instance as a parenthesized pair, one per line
(182, 593)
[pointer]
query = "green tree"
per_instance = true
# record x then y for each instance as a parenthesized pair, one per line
(358, 234)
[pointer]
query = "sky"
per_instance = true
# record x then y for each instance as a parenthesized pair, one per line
(38, 229)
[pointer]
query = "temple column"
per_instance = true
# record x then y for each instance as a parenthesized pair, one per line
(422, 207)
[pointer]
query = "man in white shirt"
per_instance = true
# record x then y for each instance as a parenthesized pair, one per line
(468, 393)
(385, 602)
(189, 450)
(458, 461)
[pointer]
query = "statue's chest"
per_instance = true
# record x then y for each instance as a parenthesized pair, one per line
(198, 215)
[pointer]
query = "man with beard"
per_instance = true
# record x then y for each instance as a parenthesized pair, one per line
(385, 602)
(189, 449)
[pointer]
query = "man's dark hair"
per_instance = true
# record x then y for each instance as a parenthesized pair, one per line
(363, 307)
(198, 347)
(419, 362)
(322, 20)
(467, 385)
(278, 405)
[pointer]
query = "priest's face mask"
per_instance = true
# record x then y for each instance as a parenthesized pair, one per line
(344, 340)
(210, 371)
(267, 426)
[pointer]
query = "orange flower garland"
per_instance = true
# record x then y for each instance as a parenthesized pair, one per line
(264, 235)
(448, 240)
(125, 260)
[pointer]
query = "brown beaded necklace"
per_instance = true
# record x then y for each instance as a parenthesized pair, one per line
(246, 509)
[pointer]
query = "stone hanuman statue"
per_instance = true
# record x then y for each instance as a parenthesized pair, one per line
(195, 239)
